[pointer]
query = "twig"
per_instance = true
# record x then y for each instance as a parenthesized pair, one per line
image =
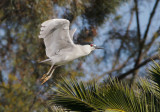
(130, 22)
(149, 45)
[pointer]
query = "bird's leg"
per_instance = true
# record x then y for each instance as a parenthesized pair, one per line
(48, 75)
(45, 75)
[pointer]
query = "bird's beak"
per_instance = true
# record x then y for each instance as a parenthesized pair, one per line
(99, 47)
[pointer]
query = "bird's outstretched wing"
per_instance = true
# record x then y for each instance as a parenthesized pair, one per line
(56, 35)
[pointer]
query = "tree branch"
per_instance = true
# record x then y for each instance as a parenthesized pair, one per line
(141, 45)
(137, 19)
(117, 55)
(115, 69)
(1, 76)
(149, 45)
(120, 77)
(139, 38)
(130, 22)
(149, 22)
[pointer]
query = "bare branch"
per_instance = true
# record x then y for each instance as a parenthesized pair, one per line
(117, 56)
(115, 69)
(149, 45)
(120, 77)
(141, 45)
(138, 35)
(1, 76)
(130, 21)
(137, 19)
(149, 22)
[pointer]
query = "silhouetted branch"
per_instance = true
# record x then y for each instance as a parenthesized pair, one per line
(115, 69)
(130, 21)
(154, 37)
(141, 45)
(1, 77)
(120, 77)
(137, 20)
(149, 22)
(117, 56)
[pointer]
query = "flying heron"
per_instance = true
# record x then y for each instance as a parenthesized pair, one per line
(60, 48)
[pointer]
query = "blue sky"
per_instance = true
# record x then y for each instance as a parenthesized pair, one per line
(123, 10)
(145, 10)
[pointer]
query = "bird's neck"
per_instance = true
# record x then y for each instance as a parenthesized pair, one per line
(84, 50)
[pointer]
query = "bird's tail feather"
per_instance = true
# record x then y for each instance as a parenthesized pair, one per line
(47, 61)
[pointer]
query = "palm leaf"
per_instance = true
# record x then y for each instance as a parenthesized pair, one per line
(93, 97)
(74, 96)
(153, 83)
(113, 96)
(148, 95)
(154, 73)
(120, 97)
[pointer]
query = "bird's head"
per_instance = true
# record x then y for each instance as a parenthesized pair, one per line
(93, 47)
(87, 48)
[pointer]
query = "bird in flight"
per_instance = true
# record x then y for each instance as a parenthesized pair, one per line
(60, 48)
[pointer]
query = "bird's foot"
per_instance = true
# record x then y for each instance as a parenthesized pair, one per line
(44, 78)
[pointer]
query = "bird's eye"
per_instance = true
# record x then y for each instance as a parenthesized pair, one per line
(91, 45)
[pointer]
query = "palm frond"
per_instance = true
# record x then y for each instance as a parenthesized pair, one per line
(94, 97)
(118, 96)
(74, 96)
(149, 95)
(113, 96)
(154, 73)
(153, 83)
(57, 109)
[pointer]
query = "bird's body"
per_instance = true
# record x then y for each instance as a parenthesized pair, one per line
(63, 56)
(60, 47)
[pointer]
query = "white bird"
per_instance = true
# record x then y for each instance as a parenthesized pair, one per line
(60, 48)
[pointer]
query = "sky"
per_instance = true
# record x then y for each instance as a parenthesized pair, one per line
(145, 10)
(123, 10)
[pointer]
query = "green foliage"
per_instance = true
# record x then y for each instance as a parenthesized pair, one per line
(96, 12)
(17, 97)
(75, 95)
(110, 96)
(155, 73)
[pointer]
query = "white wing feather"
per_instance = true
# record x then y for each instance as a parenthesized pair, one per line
(56, 35)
